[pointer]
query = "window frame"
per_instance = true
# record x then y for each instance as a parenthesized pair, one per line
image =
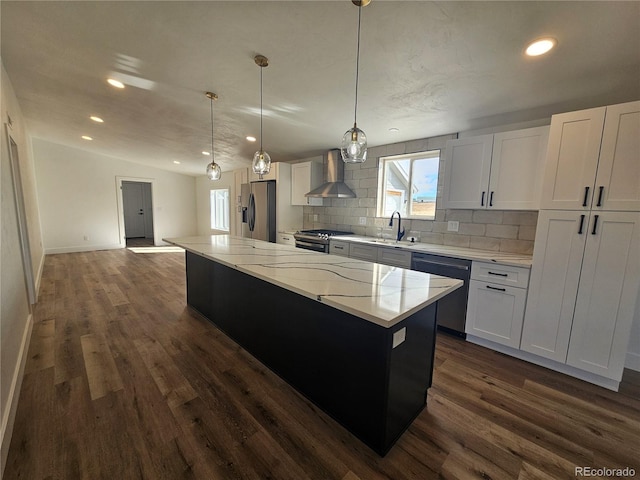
(213, 210)
(412, 157)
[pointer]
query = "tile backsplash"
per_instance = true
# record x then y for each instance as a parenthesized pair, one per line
(496, 230)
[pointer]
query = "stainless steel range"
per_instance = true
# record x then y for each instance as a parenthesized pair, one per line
(316, 240)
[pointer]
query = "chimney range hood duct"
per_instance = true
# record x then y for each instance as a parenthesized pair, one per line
(334, 186)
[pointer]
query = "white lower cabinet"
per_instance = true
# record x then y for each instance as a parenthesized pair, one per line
(584, 283)
(286, 238)
(336, 247)
(394, 257)
(363, 252)
(495, 308)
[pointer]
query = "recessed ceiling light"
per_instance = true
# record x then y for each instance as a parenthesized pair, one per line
(541, 46)
(176, 162)
(115, 83)
(205, 153)
(86, 137)
(96, 119)
(394, 130)
(251, 139)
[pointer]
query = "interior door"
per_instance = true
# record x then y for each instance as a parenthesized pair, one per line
(133, 207)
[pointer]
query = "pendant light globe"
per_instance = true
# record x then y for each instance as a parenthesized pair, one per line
(261, 160)
(213, 171)
(354, 141)
(354, 146)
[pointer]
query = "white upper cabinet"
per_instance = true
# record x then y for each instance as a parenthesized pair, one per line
(467, 164)
(593, 160)
(305, 176)
(618, 176)
(501, 171)
(517, 163)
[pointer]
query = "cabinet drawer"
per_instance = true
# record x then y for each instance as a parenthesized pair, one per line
(286, 239)
(338, 248)
(500, 274)
(395, 257)
(363, 252)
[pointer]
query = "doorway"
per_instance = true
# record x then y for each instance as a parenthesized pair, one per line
(12, 181)
(136, 212)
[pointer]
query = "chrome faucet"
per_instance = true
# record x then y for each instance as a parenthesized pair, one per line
(400, 234)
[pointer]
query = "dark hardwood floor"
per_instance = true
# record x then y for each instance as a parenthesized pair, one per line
(124, 381)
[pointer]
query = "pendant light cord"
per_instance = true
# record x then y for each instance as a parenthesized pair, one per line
(261, 68)
(213, 157)
(355, 113)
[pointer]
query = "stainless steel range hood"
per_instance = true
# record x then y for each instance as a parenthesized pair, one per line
(334, 186)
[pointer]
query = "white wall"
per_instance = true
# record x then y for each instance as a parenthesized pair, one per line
(78, 198)
(15, 314)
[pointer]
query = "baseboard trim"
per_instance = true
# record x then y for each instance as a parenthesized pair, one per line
(14, 394)
(632, 362)
(88, 248)
(550, 364)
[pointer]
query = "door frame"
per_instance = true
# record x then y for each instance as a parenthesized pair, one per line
(121, 231)
(21, 214)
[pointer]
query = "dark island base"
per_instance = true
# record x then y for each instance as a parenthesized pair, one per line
(342, 363)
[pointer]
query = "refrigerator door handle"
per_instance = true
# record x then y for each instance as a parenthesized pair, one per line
(252, 212)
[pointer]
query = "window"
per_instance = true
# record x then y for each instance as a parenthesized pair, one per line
(220, 209)
(409, 185)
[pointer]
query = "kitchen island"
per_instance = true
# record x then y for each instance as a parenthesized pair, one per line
(356, 338)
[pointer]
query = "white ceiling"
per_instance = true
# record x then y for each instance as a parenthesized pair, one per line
(426, 68)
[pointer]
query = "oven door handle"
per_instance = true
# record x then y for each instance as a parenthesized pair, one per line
(318, 247)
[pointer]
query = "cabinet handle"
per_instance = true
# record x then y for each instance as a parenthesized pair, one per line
(595, 224)
(498, 274)
(586, 196)
(581, 224)
(496, 288)
(338, 247)
(491, 199)
(482, 200)
(600, 196)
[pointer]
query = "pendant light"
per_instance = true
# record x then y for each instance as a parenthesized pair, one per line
(261, 159)
(354, 141)
(213, 169)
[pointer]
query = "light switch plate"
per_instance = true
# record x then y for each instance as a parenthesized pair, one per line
(453, 225)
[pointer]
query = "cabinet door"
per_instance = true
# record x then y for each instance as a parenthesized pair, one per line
(607, 294)
(303, 180)
(553, 285)
(516, 169)
(572, 159)
(394, 257)
(618, 175)
(363, 252)
(338, 248)
(495, 312)
(467, 163)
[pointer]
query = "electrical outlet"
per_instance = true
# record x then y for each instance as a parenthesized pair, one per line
(453, 225)
(315, 217)
(86, 237)
(363, 220)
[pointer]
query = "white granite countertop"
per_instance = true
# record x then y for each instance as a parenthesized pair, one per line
(378, 293)
(518, 260)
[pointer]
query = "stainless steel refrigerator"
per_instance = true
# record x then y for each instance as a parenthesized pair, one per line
(258, 200)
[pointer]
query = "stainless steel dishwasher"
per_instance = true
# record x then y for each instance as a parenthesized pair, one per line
(452, 309)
